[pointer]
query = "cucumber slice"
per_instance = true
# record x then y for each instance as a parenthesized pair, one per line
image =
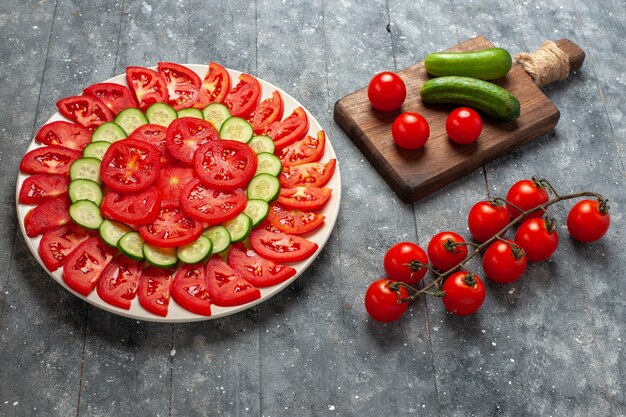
(130, 119)
(261, 144)
(264, 187)
(238, 228)
(85, 190)
(195, 252)
(161, 114)
(85, 213)
(96, 150)
(237, 129)
(190, 112)
(161, 257)
(268, 164)
(131, 245)
(219, 236)
(111, 232)
(257, 210)
(216, 114)
(86, 169)
(108, 132)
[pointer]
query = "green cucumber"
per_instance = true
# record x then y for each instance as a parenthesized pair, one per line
(82, 189)
(257, 210)
(268, 164)
(130, 119)
(160, 257)
(236, 128)
(87, 214)
(190, 112)
(161, 114)
(96, 150)
(196, 251)
(86, 169)
(108, 132)
(238, 228)
(264, 187)
(216, 114)
(131, 245)
(481, 95)
(219, 236)
(262, 143)
(487, 64)
(111, 232)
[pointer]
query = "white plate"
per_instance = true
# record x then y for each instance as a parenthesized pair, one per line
(176, 313)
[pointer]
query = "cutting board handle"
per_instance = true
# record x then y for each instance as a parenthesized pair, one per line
(553, 61)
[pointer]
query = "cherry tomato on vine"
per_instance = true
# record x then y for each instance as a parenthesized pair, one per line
(386, 91)
(397, 258)
(588, 220)
(464, 125)
(526, 194)
(487, 218)
(464, 293)
(504, 262)
(443, 251)
(538, 238)
(410, 131)
(381, 300)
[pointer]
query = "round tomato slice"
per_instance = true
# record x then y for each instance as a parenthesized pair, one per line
(295, 222)
(225, 164)
(148, 86)
(47, 216)
(154, 290)
(172, 180)
(130, 165)
(117, 97)
(119, 281)
(210, 205)
(267, 112)
(316, 174)
(226, 286)
(290, 130)
(83, 266)
(171, 228)
(281, 247)
(304, 198)
(57, 244)
(39, 188)
(244, 98)
(255, 269)
(156, 136)
(87, 111)
(183, 85)
(309, 149)
(187, 134)
(189, 290)
(66, 134)
(49, 160)
(215, 86)
(132, 208)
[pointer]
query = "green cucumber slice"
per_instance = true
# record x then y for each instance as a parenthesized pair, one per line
(261, 144)
(87, 214)
(268, 164)
(220, 238)
(131, 245)
(238, 228)
(108, 132)
(161, 114)
(130, 119)
(216, 114)
(257, 210)
(264, 187)
(85, 190)
(111, 232)
(190, 112)
(237, 129)
(160, 257)
(96, 150)
(86, 169)
(196, 251)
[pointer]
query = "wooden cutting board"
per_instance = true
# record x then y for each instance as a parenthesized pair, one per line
(414, 174)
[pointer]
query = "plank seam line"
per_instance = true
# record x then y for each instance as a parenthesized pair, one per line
(390, 27)
(188, 31)
(82, 360)
(171, 394)
(119, 37)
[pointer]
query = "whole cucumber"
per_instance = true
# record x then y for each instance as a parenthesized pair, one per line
(487, 64)
(481, 95)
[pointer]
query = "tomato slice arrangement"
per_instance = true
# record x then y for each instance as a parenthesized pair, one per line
(186, 135)
(226, 286)
(257, 270)
(225, 164)
(39, 188)
(49, 160)
(136, 208)
(83, 266)
(66, 134)
(287, 131)
(294, 221)
(57, 244)
(171, 228)
(267, 112)
(119, 281)
(155, 135)
(115, 96)
(211, 205)
(215, 86)
(304, 197)
(244, 98)
(190, 289)
(281, 247)
(309, 149)
(128, 165)
(87, 111)
(154, 290)
(148, 86)
(183, 85)
(315, 174)
(47, 216)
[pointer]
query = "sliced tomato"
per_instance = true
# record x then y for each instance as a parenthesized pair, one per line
(210, 205)
(226, 286)
(172, 180)
(132, 208)
(225, 164)
(119, 281)
(66, 134)
(154, 290)
(156, 136)
(148, 86)
(257, 270)
(294, 221)
(290, 130)
(38, 188)
(130, 165)
(116, 97)
(87, 111)
(305, 197)
(281, 247)
(309, 149)
(183, 85)
(47, 216)
(315, 174)
(244, 98)
(57, 244)
(215, 86)
(83, 266)
(49, 160)
(189, 289)
(267, 112)
(171, 228)
(187, 134)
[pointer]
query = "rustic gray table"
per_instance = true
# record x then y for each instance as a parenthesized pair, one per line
(552, 344)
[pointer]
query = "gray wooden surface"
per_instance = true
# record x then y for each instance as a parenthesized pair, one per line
(552, 344)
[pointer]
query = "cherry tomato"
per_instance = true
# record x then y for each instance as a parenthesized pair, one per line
(397, 258)
(526, 194)
(538, 238)
(443, 252)
(386, 91)
(504, 262)
(464, 125)
(486, 218)
(382, 300)
(588, 221)
(464, 293)
(410, 131)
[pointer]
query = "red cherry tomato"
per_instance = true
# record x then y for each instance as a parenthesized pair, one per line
(538, 238)
(504, 262)
(464, 293)
(382, 300)
(386, 91)
(443, 252)
(588, 221)
(397, 258)
(464, 125)
(486, 218)
(410, 131)
(526, 194)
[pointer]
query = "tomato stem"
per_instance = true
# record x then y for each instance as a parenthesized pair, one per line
(416, 265)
